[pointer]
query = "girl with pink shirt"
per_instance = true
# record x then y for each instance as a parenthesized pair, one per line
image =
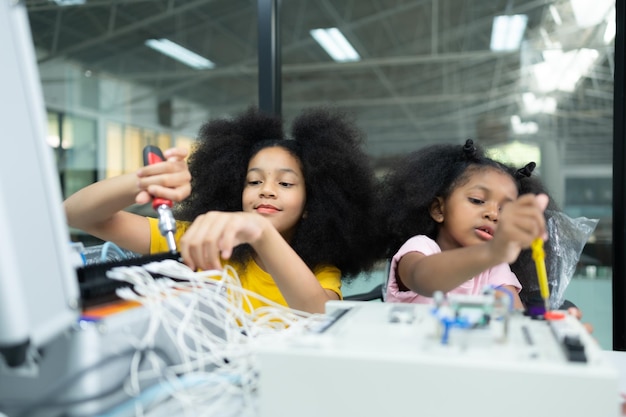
(456, 219)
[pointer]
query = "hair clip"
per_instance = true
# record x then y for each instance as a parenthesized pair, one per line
(469, 149)
(526, 171)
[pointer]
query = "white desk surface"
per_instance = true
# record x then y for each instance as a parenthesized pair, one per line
(619, 359)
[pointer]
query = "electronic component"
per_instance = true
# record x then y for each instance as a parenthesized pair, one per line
(570, 341)
(97, 288)
(82, 372)
(391, 359)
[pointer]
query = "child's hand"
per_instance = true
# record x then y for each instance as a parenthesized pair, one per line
(212, 236)
(170, 179)
(579, 315)
(520, 222)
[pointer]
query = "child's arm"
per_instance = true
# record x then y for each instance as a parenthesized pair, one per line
(215, 234)
(446, 270)
(517, 302)
(519, 223)
(98, 208)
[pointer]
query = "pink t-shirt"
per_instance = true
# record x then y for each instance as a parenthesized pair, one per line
(496, 276)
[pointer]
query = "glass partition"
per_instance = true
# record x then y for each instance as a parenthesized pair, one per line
(531, 80)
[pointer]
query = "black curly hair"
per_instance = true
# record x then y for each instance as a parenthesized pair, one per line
(340, 227)
(418, 179)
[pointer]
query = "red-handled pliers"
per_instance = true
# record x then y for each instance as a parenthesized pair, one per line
(167, 224)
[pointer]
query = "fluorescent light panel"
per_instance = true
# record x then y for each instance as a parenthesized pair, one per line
(609, 32)
(63, 3)
(523, 128)
(562, 70)
(534, 104)
(516, 153)
(179, 53)
(507, 32)
(591, 13)
(335, 44)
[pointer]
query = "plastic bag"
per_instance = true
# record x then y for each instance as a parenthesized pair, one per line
(566, 239)
(106, 252)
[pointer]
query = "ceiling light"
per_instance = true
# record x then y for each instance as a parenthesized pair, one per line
(184, 55)
(516, 153)
(534, 104)
(523, 128)
(609, 33)
(69, 2)
(562, 70)
(590, 13)
(335, 44)
(507, 32)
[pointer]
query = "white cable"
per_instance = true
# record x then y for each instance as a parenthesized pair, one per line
(208, 318)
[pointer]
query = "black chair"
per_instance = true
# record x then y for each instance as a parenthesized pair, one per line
(375, 293)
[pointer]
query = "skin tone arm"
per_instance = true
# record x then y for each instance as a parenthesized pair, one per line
(98, 209)
(519, 223)
(215, 234)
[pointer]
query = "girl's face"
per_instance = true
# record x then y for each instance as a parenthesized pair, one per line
(470, 214)
(275, 189)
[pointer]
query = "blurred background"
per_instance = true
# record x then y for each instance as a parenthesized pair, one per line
(532, 80)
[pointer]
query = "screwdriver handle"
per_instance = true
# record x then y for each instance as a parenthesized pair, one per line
(153, 155)
(538, 256)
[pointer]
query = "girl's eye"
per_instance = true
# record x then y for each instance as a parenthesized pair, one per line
(285, 184)
(476, 201)
(254, 182)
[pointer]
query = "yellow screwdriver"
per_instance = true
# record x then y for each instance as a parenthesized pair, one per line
(540, 264)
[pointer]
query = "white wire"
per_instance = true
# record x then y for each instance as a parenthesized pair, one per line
(207, 317)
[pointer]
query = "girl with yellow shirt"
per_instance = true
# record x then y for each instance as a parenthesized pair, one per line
(293, 215)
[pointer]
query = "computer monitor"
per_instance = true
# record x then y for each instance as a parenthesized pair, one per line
(39, 294)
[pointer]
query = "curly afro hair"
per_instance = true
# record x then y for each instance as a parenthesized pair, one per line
(340, 227)
(219, 161)
(418, 179)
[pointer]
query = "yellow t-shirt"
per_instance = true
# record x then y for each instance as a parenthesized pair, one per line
(252, 277)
